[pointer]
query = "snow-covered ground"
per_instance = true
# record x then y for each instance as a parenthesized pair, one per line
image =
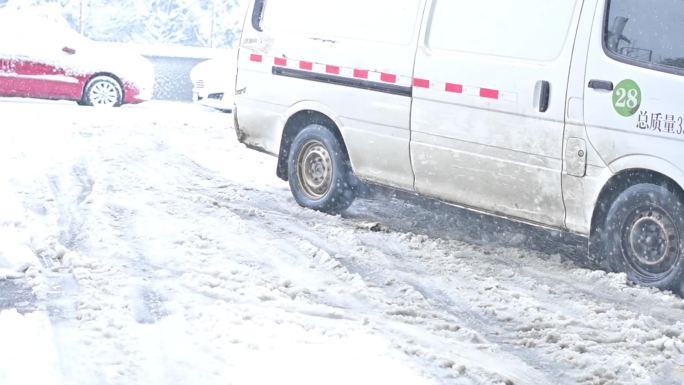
(144, 245)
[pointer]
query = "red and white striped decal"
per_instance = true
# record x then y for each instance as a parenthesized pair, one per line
(331, 69)
(385, 77)
(462, 89)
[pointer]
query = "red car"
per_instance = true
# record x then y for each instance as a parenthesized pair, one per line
(43, 57)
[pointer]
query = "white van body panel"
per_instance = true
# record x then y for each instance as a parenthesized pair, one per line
(623, 145)
(374, 125)
(466, 126)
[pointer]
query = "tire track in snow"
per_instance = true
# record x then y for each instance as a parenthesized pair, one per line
(71, 216)
(399, 305)
(68, 192)
(94, 294)
(511, 337)
(457, 318)
(431, 297)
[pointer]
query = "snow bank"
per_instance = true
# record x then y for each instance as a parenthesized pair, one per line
(27, 352)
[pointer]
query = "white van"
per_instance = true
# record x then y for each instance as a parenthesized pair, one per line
(563, 113)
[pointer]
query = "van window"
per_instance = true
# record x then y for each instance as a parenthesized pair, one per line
(525, 29)
(648, 32)
(390, 21)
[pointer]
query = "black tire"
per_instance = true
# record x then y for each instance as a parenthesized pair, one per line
(319, 172)
(644, 236)
(103, 91)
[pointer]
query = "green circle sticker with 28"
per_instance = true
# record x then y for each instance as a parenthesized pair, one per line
(627, 98)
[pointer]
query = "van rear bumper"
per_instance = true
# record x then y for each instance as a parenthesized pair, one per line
(242, 136)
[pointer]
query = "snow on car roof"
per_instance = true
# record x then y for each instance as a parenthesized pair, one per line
(34, 27)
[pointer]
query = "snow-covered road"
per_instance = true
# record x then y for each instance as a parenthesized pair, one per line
(144, 245)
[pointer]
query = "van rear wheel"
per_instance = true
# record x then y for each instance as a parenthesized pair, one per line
(319, 172)
(644, 236)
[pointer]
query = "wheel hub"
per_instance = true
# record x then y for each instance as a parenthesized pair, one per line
(651, 239)
(104, 94)
(314, 169)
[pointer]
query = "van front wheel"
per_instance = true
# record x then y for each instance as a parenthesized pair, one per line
(319, 172)
(644, 236)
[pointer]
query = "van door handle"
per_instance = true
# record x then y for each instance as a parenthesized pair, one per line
(544, 95)
(601, 85)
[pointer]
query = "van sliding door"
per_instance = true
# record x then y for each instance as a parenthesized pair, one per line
(489, 102)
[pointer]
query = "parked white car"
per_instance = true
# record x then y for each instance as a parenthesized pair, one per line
(213, 82)
(560, 113)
